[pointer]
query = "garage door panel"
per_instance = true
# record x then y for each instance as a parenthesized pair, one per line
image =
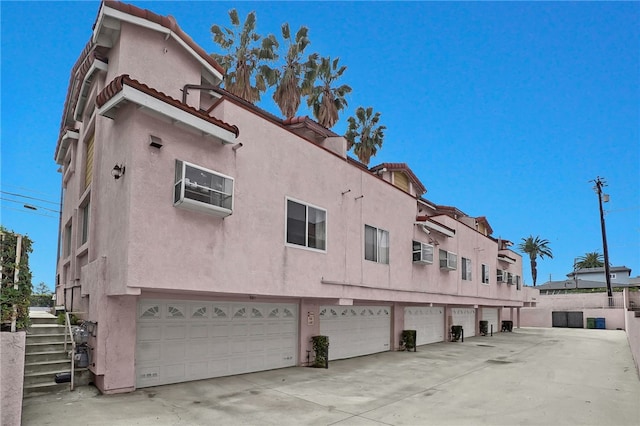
(198, 331)
(150, 351)
(149, 333)
(491, 316)
(198, 349)
(355, 331)
(172, 372)
(428, 321)
(173, 352)
(219, 330)
(185, 340)
(175, 332)
(466, 317)
(257, 330)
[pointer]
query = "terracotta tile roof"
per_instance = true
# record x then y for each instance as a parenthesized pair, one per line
(168, 22)
(402, 167)
(357, 163)
(304, 126)
(450, 211)
(117, 84)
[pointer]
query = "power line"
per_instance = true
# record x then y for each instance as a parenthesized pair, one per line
(31, 198)
(30, 206)
(26, 189)
(30, 211)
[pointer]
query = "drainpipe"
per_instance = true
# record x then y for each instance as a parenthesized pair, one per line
(185, 90)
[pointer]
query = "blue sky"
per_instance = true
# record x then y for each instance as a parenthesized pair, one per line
(506, 110)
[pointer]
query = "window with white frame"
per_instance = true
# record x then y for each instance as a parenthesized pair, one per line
(448, 260)
(466, 269)
(200, 189)
(376, 244)
(509, 278)
(485, 274)
(422, 252)
(500, 276)
(306, 225)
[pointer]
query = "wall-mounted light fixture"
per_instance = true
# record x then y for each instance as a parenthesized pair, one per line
(155, 141)
(117, 171)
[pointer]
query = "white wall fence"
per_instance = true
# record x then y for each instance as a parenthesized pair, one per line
(581, 301)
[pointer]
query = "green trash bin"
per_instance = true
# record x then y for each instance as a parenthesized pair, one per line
(591, 323)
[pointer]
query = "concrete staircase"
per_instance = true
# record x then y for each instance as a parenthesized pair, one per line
(45, 357)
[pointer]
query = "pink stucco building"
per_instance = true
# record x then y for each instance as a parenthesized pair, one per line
(206, 237)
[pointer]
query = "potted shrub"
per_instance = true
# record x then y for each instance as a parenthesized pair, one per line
(456, 333)
(484, 328)
(408, 340)
(321, 349)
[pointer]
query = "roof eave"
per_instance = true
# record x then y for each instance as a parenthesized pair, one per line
(148, 102)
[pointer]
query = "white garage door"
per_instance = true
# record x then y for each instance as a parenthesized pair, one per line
(466, 317)
(427, 321)
(179, 341)
(356, 330)
(491, 315)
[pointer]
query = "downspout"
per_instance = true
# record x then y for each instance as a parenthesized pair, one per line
(185, 90)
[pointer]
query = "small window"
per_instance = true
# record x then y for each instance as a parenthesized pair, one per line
(86, 215)
(466, 269)
(612, 276)
(376, 244)
(500, 276)
(485, 274)
(66, 250)
(422, 252)
(306, 225)
(203, 190)
(509, 278)
(516, 279)
(448, 260)
(88, 161)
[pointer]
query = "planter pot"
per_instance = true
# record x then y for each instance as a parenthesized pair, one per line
(408, 340)
(484, 327)
(321, 349)
(456, 333)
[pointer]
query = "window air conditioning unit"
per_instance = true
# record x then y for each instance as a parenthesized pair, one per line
(448, 260)
(203, 190)
(422, 252)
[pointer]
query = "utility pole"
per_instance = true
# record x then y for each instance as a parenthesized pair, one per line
(600, 182)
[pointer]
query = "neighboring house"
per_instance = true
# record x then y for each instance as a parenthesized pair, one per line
(206, 237)
(590, 279)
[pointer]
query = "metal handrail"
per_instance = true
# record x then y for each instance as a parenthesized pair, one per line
(73, 345)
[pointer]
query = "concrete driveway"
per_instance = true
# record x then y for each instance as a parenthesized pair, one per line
(528, 377)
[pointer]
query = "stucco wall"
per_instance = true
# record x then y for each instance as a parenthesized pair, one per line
(633, 334)
(542, 317)
(12, 348)
(592, 305)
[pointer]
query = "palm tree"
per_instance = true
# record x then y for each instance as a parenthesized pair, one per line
(245, 61)
(325, 100)
(590, 260)
(296, 77)
(364, 134)
(535, 247)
